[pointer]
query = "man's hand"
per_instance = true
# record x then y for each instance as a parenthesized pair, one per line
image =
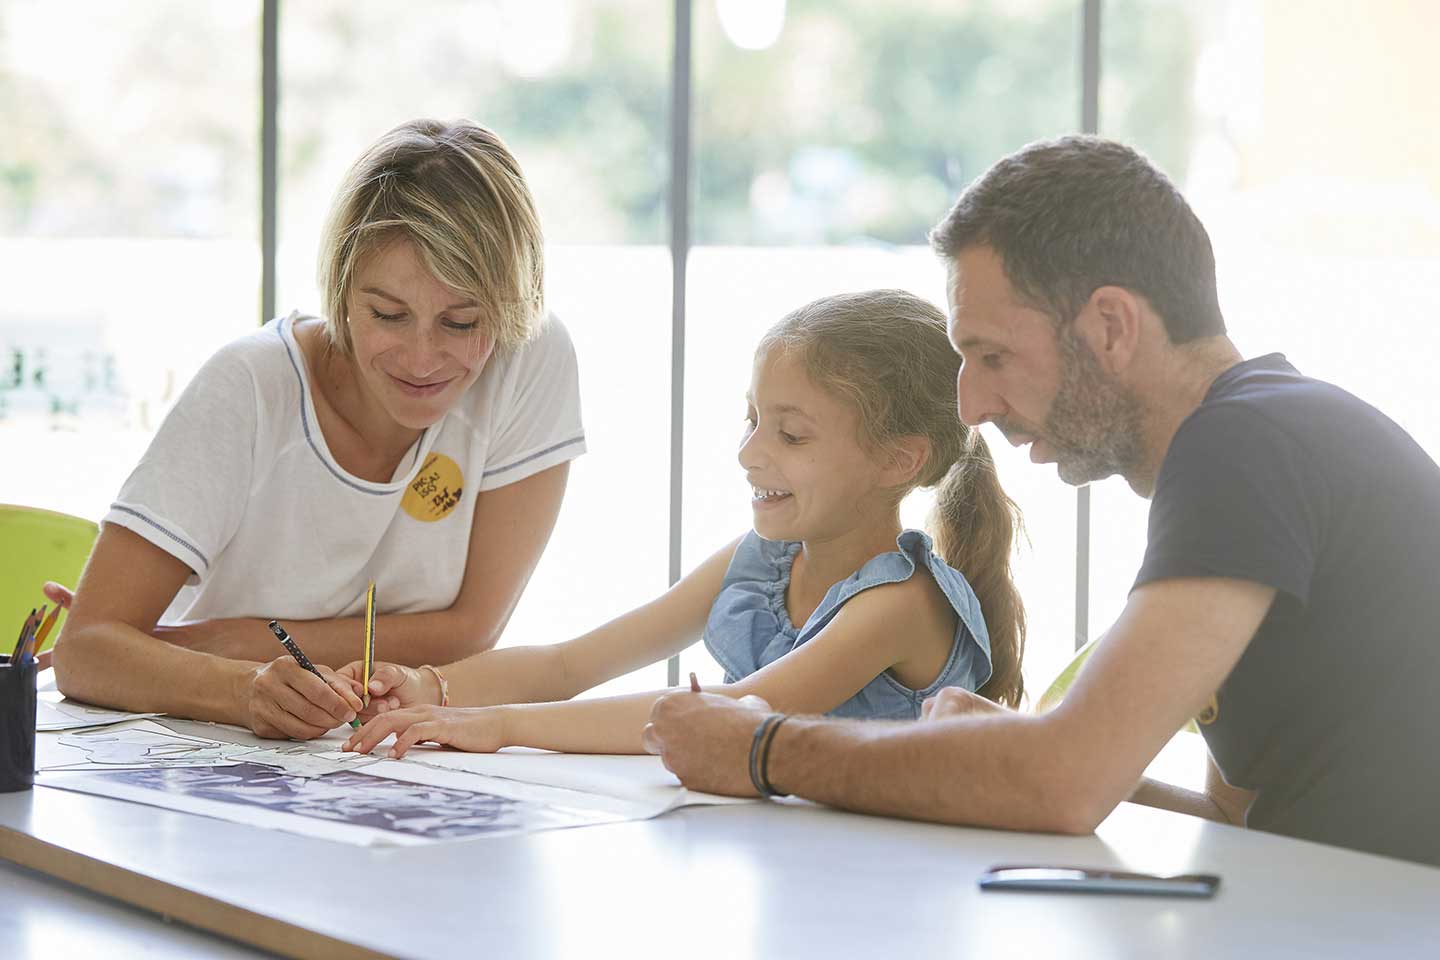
(956, 702)
(704, 739)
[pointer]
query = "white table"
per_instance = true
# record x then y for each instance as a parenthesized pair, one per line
(764, 880)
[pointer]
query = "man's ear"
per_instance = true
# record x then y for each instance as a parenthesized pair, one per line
(908, 457)
(1111, 323)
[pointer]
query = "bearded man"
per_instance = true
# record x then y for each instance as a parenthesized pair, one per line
(1290, 593)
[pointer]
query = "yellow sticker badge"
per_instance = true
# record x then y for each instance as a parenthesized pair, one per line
(435, 491)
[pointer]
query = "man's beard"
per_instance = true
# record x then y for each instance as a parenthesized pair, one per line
(1094, 425)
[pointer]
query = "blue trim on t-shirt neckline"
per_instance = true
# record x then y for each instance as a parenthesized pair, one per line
(305, 424)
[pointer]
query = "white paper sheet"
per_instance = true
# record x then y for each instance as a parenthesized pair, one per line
(141, 744)
(62, 714)
(641, 784)
(312, 788)
(641, 780)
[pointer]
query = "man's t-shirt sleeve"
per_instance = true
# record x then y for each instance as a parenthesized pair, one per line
(1235, 498)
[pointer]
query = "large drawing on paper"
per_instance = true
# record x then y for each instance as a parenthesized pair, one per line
(149, 744)
(359, 800)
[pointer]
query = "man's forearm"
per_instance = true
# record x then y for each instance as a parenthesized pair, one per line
(979, 770)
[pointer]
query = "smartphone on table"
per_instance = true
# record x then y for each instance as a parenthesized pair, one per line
(1056, 879)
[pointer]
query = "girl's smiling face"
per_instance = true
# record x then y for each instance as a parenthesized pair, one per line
(418, 345)
(810, 476)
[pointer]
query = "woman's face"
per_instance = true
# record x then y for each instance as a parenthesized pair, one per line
(418, 344)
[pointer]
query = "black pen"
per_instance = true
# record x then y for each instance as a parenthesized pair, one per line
(294, 650)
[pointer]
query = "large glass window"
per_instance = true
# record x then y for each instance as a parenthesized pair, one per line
(829, 138)
(129, 210)
(581, 97)
(1299, 133)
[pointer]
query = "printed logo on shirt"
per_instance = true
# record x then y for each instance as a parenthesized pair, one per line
(1211, 713)
(435, 491)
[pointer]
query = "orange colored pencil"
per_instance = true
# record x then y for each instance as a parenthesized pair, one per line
(45, 628)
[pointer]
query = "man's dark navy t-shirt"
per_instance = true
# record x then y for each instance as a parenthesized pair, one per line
(1333, 712)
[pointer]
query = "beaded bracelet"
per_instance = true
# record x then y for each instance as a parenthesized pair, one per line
(760, 755)
(444, 687)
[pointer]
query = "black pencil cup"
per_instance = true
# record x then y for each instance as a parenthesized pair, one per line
(17, 725)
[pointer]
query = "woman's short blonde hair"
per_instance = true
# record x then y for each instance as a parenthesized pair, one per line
(457, 193)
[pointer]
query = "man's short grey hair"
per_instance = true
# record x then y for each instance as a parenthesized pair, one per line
(1071, 215)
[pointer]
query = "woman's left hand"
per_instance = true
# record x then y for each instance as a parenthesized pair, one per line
(473, 729)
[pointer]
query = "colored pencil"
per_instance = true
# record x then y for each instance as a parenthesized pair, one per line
(32, 646)
(368, 656)
(293, 648)
(46, 627)
(24, 633)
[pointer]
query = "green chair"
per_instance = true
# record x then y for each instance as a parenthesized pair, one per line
(1061, 684)
(35, 546)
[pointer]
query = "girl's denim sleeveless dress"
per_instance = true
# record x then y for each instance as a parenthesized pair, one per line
(749, 626)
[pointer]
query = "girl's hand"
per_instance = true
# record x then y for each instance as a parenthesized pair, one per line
(393, 686)
(281, 699)
(473, 729)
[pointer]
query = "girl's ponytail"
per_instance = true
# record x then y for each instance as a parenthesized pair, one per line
(974, 525)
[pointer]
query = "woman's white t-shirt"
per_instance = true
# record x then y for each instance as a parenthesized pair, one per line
(240, 486)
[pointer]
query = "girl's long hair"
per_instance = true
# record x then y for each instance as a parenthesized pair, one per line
(886, 352)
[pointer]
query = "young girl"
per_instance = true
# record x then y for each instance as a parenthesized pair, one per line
(828, 605)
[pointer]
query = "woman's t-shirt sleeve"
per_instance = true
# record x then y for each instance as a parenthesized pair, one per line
(190, 490)
(537, 420)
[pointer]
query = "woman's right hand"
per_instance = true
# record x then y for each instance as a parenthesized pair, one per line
(393, 686)
(282, 700)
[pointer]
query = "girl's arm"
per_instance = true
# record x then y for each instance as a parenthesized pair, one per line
(511, 526)
(877, 629)
(664, 626)
(107, 654)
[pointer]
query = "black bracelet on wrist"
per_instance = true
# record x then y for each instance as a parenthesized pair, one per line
(756, 742)
(770, 790)
(760, 755)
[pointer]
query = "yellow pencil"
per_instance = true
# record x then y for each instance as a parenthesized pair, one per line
(44, 630)
(368, 658)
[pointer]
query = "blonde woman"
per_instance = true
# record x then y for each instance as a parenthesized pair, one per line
(418, 435)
